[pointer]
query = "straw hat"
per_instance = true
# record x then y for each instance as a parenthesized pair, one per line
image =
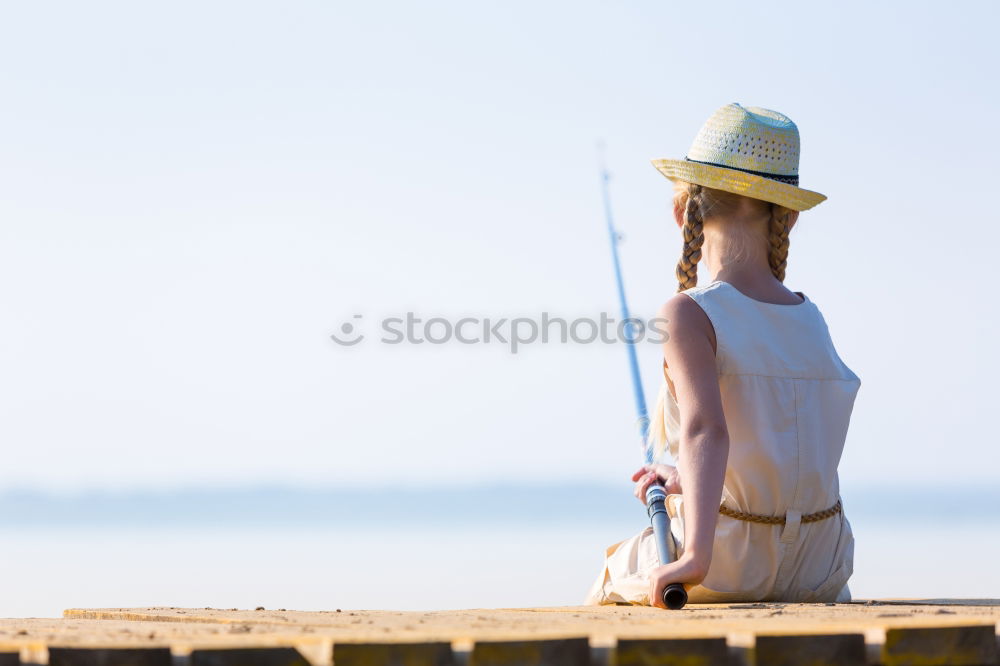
(749, 151)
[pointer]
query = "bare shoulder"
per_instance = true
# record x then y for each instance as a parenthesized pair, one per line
(682, 314)
(685, 321)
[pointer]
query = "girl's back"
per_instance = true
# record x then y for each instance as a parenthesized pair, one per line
(788, 398)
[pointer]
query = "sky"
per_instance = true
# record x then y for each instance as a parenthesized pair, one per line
(197, 195)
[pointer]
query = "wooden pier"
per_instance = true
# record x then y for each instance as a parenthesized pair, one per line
(924, 632)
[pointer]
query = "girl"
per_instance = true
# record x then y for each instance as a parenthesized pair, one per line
(755, 402)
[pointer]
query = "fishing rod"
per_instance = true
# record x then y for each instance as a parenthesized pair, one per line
(674, 595)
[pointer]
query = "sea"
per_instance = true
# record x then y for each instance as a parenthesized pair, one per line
(490, 546)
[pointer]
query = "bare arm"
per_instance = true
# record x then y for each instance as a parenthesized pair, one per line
(704, 440)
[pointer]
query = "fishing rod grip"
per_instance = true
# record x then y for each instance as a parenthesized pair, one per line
(674, 595)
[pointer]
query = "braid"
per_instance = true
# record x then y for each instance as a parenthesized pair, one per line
(777, 237)
(694, 237)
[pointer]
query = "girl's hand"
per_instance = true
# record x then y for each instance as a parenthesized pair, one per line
(647, 475)
(688, 570)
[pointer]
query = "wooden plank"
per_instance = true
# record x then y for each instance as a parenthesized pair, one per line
(670, 652)
(933, 602)
(741, 623)
(507, 624)
(393, 654)
(821, 650)
(248, 656)
(974, 645)
(65, 656)
(554, 652)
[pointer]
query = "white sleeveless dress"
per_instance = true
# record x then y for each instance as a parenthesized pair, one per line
(787, 398)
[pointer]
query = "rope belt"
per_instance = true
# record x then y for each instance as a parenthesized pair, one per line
(780, 520)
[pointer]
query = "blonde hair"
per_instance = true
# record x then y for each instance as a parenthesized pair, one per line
(702, 203)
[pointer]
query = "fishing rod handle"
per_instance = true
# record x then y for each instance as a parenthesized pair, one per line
(675, 597)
